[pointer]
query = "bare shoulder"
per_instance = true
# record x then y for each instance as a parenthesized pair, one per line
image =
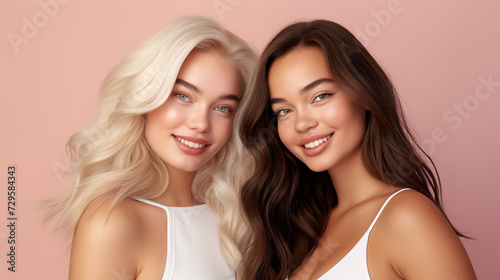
(101, 223)
(105, 240)
(412, 211)
(101, 212)
(419, 241)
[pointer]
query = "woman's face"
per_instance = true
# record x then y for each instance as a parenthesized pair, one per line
(196, 120)
(317, 121)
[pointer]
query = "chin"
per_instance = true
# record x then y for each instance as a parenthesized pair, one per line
(187, 169)
(192, 168)
(183, 167)
(319, 165)
(318, 169)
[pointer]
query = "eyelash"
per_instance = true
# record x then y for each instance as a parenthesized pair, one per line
(279, 113)
(222, 109)
(325, 95)
(184, 95)
(228, 110)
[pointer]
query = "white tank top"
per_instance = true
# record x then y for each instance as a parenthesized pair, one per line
(193, 251)
(354, 265)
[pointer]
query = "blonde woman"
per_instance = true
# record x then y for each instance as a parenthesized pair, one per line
(154, 192)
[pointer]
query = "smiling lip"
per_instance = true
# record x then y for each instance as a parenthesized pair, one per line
(315, 144)
(191, 145)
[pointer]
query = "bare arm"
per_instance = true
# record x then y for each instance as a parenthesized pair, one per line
(422, 245)
(103, 248)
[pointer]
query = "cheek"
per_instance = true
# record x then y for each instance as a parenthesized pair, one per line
(351, 119)
(173, 115)
(335, 113)
(284, 132)
(343, 114)
(356, 115)
(159, 122)
(223, 128)
(167, 116)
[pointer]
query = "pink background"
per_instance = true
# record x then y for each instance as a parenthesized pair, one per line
(435, 52)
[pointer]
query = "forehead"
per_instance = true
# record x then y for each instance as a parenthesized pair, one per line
(296, 69)
(211, 72)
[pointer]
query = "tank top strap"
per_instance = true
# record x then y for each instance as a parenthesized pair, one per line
(382, 208)
(152, 203)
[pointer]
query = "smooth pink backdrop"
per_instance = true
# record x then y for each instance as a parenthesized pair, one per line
(437, 53)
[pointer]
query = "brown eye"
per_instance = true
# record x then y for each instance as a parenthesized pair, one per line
(283, 112)
(321, 97)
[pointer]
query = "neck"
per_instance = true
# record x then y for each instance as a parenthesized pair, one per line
(353, 184)
(178, 193)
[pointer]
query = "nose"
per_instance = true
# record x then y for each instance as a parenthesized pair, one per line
(305, 121)
(199, 120)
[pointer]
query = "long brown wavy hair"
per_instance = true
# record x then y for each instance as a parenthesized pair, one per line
(287, 205)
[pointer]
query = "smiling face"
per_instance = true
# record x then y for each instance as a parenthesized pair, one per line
(317, 121)
(196, 120)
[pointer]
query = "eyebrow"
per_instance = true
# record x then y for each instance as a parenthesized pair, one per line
(197, 90)
(315, 84)
(306, 88)
(188, 85)
(230, 97)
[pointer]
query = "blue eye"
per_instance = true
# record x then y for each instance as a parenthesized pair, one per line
(222, 109)
(182, 97)
(321, 97)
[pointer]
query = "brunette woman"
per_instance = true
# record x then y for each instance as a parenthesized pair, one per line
(342, 190)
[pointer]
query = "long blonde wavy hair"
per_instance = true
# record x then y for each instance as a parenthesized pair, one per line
(111, 159)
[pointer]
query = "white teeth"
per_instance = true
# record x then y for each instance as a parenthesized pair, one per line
(316, 143)
(191, 144)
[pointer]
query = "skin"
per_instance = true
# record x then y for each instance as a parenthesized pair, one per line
(131, 243)
(411, 239)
